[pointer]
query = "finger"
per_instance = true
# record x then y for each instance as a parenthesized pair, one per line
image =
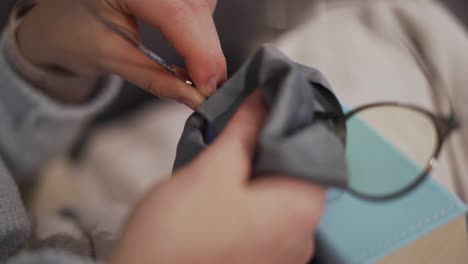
(233, 151)
(300, 248)
(135, 67)
(212, 4)
(302, 202)
(207, 23)
(309, 248)
(189, 27)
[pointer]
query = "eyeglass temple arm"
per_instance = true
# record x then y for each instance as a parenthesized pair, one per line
(452, 120)
(320, 115)
(182, 75)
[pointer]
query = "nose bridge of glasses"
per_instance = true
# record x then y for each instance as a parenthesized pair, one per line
(446, 125)
(320, 115)
(454, 121)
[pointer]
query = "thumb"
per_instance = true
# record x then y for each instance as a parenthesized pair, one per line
(188, 25)
(233, 151)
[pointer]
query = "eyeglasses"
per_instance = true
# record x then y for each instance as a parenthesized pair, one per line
(390, 147)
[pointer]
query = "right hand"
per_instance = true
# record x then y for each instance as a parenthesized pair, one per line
(211, 212)
(65, 33)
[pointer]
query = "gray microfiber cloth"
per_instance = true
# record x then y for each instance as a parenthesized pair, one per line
(294, 140)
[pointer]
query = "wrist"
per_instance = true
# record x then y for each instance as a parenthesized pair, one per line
(28, 57)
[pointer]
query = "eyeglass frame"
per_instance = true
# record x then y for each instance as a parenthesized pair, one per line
(444, 125)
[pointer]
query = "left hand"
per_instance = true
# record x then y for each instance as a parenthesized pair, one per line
(66, 33)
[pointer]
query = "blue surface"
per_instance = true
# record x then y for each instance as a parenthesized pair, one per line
(358, 231)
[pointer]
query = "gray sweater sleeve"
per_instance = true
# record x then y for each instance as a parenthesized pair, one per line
(32, 126)
(32, 129)
(49, 257)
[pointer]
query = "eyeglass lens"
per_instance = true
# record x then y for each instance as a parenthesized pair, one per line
(388, 149)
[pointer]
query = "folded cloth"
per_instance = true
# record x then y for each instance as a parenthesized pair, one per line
(293, 141)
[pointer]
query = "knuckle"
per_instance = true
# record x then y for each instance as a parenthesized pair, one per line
(199, 4)
(116, 5)
(212, 3)
(151, 87)
(181, 98)
(177, 8)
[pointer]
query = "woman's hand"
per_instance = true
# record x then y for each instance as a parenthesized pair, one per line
(66, 33)
(211, 212)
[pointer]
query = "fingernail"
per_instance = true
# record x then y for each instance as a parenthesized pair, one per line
(198, 100)
(195, 101)
(210, 87)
